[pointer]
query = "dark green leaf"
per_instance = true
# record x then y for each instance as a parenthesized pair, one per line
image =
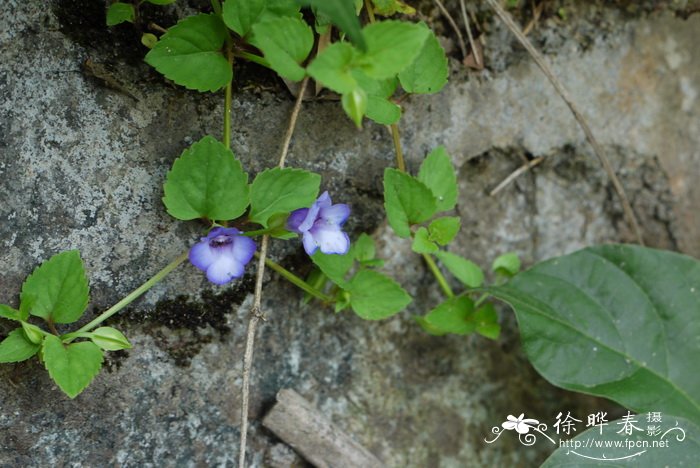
(428, 72)
(486, 320)
(341, 13)
(190, 53)
(422, 244)
(17, 347)
(120, 12)
(12, 314)
(443, 230)
(207, 181)
(334, 266)
(464, 270)
(437, 173)
(374, 296)
(355, 105)
(407, 201)
(391, 47)
(617, 321)
(71, 366)
(452, 316)
(286, 42)
(57, 290)
(507, 264)
(281, 191)
(332, 68)
(109, 339)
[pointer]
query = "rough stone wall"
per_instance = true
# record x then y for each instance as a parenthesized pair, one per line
(82, 165)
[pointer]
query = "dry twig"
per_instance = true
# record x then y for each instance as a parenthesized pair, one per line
(255, 312)
(559, 87)
(515, 174)
(451, 20)
(465, 17)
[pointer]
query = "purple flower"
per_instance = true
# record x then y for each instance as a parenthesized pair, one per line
(223, 254)
(320, 226)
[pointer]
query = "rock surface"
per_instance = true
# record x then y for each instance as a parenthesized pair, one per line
(82, 167)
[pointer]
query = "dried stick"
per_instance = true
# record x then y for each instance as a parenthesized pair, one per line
(255, 312)
(559, 87)
(454, 26)
(465, 17)
(515, 174)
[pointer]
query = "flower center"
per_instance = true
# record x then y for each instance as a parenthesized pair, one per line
(220, 241)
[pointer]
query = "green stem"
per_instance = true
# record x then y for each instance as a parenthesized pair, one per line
(216, 5)
(400, 163)
(128, 299)
(227, 100)
(438, 275)
(481, 300)
(370, 12)
(296, 281)
(252, 58)
(258, 232)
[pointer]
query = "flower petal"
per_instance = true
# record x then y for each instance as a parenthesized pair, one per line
(335, 214)
(311, 217)
(509, 425)
(296, 218)
(324, 201)
(224, 269)
(243, 249)
(522, 428)
(222, 231)
(331, 239)
(201, 255)
(309, 242)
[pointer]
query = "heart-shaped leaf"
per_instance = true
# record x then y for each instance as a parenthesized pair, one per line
(17, 347)
(71, 366)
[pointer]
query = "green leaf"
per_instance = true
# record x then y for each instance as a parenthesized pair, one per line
(355, 105)
(334, 266)
(190, 53)
(374, 296)
(241, 15)
(33, 333)
(486, 320)
(149, 40)
(207, 181)
(464, 270)
(437, 173)
(71, 366)
(391, 7)
(422, 244)
(452, 316)
(17, 347)
(428, 72)
(342, 13)
(57, 290)
(617, 321)
(379, 107)
(281, 191)
(363, 249)
(120, 12)
(391, 47)
(13, 314)
(507, 264)
(443, 230)
(109, 339)
(678, 439)
(161, 2)
(407, 201)
(333, 68)
(286, 42)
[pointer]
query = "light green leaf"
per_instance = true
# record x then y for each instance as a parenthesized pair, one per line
(452, 316)
(333, 68)
(391, 47)
(391, 7)
(12, 314)
(382, 110)
(486, 320)
(17, 347)
(120, 12)
(342, 13)
(677, 444)
(363, 249)
(149, 40)
(109, 339)
(286, 42)
(241, 15)
(207, 181)
(443, 230)
(616, 321)
(190, 53)
(437, 173)
(33, 333)
(355, 105)
(57, 290)
(374, 296)
(422, 244)
(507, 264)
(464, 270)
(407, 201)
(334, 266)
(281, 191)
(428, 72)
(71, 366)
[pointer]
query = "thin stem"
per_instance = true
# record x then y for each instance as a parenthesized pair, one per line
(132, 296)
(257, 232)
(370, 12)
(252, 58)
(400, 163)
(255, 311)
(477, 56)
(438, 275)
(456, 29)
(227, 100)
(481, 300)
(298, 282)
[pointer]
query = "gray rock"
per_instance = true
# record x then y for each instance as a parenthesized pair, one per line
(82, 167)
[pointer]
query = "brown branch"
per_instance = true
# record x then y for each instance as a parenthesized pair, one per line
(256, 311)
(559, 87)
(465, 17)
